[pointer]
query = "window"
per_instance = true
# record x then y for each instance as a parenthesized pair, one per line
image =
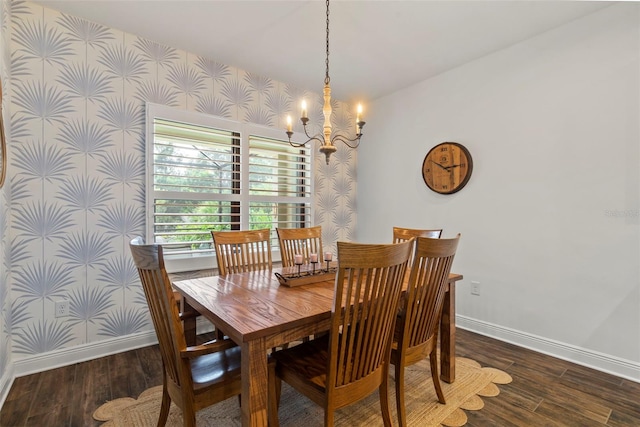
(205, 173)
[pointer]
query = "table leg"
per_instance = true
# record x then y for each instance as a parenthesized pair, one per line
(189, 323)
(254, 383)
(448, 335)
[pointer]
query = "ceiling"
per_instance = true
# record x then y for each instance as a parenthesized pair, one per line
(376, 47)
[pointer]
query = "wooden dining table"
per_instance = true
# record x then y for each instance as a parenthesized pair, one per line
(258, 313)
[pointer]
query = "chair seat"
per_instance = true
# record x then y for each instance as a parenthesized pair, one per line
(222, 367)
(308, 360)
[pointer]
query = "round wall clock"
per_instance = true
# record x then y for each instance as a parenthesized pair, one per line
(447, 167)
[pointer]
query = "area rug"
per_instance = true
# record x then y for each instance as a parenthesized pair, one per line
(472, 383)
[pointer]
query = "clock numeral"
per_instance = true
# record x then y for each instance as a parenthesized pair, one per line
(428, 170)
(445, 187)
(463, 165)
(444, 149)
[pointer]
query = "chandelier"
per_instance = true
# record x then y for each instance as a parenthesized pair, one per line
(327, 138)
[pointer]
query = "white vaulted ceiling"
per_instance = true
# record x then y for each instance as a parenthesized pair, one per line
(377, 47)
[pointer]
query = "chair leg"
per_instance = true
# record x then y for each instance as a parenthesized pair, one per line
(328, 417)
(274, 384)
(164, 408)
(278, 390)
(433, 359)
(190, 331)
(384, 401)
(399, 372)
(219, 334)
(188, 416)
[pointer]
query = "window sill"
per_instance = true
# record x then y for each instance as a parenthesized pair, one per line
(184, 263)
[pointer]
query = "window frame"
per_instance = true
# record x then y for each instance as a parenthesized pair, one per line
(195, 261)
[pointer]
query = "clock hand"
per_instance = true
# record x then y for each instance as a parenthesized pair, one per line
(439, 165)
(452, 166)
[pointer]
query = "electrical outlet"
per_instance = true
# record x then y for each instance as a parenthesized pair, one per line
(62, 308)
(475, 288)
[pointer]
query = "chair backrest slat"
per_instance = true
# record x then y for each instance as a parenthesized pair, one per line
(367, 291)
(299, 241)
(426, 289)
(242, 251)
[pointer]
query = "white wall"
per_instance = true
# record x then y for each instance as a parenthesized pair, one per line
(549, 219)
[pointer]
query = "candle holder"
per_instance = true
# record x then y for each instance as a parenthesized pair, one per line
(313, 260)
(328, 256)
(297, 260)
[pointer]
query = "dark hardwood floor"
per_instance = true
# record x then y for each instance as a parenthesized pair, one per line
(545, 391)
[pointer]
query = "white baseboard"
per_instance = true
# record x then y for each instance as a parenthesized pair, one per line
(602, 362)
(95, 350)
(81, 353)
(5, 383)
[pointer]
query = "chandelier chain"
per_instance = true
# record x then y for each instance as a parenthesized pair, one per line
(326, 76)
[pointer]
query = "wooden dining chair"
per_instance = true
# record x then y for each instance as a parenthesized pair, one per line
(352, 360)
(242, 251)
(401, 234)
(416, 329)
(194, 377)
(302, 241)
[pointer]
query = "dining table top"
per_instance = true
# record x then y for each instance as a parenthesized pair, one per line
(255, 304)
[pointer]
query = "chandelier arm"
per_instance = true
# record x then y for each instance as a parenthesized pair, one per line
(316, 136)
(346, 141)
(302, 144)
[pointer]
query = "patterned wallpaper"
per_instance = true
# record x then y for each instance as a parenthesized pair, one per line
(75, 183)
(5, 332)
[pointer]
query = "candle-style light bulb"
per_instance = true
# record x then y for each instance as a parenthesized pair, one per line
(304, 109)
(289, 124)
(359, 113)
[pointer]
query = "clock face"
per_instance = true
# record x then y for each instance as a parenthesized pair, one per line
(447, 167)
